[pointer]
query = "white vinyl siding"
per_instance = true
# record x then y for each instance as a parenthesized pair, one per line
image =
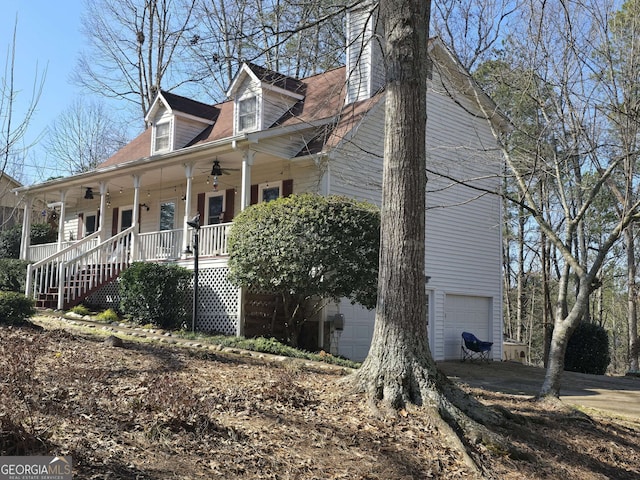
(274, 105)
(463, 227)
(365, 65)
(186, 130)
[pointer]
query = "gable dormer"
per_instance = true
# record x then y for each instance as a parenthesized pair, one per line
(176, 120)
(261, 97)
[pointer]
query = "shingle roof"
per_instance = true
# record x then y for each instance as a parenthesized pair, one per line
(324, 99)
(191, 107)
(277, 79)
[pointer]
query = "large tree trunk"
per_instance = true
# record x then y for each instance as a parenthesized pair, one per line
(399, 369)
(399, 364)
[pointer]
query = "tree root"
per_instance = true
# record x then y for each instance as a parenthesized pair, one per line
(463, 419)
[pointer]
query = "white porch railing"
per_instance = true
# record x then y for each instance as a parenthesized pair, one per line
(167, 244)
(164, 245)
(213, 239)
(40, 252)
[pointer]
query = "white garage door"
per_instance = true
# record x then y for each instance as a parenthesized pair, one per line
(355, 339)
(465, 314)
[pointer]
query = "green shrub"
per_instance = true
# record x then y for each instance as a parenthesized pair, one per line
(15, 308)
(13, 274)
(156, 294)
(10, 242)
(81, 310)
(108, 315)
(588, 350)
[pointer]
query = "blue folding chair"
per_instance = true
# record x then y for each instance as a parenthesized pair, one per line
(473, 349)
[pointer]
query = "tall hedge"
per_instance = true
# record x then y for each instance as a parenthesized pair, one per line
(156, 293)
(588, 350)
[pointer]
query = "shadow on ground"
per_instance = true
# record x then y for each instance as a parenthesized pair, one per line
(614, 394)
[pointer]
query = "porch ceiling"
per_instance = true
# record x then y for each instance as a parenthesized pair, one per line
(154, 172)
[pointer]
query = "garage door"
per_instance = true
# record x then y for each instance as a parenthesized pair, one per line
(464, 313)
(355, 339)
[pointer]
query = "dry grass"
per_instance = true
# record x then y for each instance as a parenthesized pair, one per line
(150, 411)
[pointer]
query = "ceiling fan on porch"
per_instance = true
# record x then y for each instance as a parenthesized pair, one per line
(217, 171)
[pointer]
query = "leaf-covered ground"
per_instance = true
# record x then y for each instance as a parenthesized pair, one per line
(157, 411)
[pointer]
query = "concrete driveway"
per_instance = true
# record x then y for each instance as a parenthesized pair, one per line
(617, 395)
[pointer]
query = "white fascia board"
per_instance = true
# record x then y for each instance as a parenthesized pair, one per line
(154, 107)
(108, 172)
(193, 117)
(281, 91)
(244, 69)
(255, 137)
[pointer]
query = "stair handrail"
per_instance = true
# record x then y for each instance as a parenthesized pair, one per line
(51, 260)
(113, 255)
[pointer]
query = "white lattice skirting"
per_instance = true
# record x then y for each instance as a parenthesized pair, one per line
(218, 301)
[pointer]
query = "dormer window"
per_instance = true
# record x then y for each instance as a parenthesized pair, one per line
(163, 135)
(248, 114)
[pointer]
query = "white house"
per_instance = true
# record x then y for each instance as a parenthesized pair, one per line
(277, 135)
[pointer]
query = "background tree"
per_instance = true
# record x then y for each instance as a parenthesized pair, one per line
(308, 250)
(84, 135)
(297, 38)
(13, 123)
(472, 29)
(134, 47)
(556, 54)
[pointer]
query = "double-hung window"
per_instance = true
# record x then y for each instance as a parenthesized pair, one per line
(247, 114)
(163, 134)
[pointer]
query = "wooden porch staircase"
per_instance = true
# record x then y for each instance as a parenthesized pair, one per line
(66, 278)
(78, 287)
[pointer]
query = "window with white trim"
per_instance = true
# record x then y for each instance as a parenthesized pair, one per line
(163, 136)
(269, 191)
(247, 114)
(167, 215)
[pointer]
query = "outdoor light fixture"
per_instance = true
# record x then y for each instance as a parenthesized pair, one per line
(216, 171)
(88, 195)
(144, 205)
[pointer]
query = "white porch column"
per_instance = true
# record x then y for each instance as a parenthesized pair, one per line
(247, 163)
(188, 171)
(25, 242)
(63, 195)
(103, 209)
(137, 180)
